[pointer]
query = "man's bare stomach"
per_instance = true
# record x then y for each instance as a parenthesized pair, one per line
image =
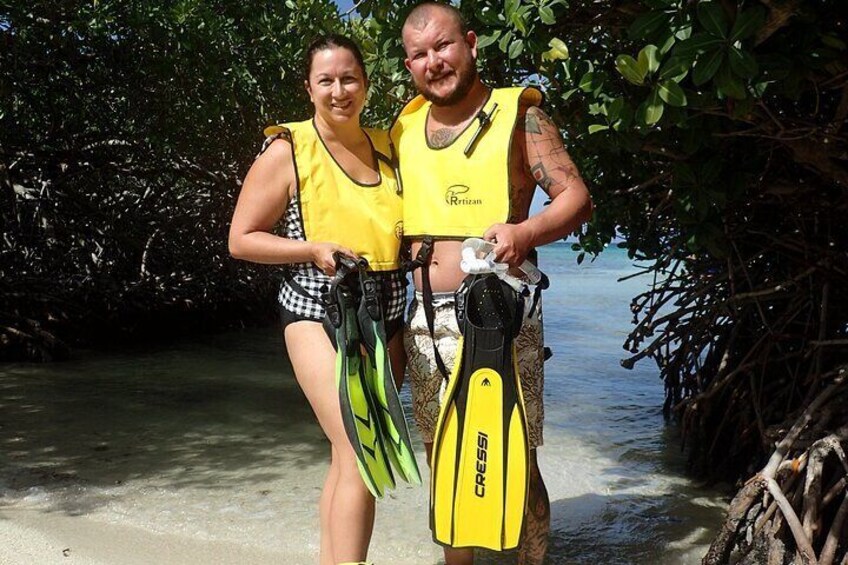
(445, 274)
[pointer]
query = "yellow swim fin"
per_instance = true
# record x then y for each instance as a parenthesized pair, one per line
(478, 488)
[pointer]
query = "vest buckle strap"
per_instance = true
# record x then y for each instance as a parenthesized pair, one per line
(422, 257)
(485, 122)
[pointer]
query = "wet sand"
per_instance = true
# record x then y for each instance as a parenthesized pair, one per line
(194, 454)
(206, 452)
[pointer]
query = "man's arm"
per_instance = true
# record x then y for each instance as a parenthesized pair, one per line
(546, 164)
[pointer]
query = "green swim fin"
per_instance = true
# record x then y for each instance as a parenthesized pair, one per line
(478, 488)
(381, 380)
(358, 407)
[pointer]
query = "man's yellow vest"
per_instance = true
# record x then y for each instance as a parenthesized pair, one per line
(366, 218)
(446, 192)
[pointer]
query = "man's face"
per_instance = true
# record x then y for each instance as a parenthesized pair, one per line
(441, 58)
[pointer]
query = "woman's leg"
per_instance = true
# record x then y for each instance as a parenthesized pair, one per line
(349, 506)
(397, 355)
(324, 506)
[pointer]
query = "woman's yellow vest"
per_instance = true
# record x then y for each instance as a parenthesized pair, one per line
(366, 218)
(448, 193)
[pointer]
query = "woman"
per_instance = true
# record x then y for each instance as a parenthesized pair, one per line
(324, 178)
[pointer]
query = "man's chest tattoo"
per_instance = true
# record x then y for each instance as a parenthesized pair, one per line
(443, 137)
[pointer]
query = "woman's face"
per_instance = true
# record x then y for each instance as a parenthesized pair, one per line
(336, 85)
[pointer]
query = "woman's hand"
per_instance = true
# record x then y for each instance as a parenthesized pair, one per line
(323, 256)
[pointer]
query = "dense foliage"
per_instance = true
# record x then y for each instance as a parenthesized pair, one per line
(712, 133)
(124, 130)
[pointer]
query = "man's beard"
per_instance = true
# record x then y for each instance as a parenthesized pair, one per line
(464, 82)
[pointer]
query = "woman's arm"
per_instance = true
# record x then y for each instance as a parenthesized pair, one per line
(264, 196)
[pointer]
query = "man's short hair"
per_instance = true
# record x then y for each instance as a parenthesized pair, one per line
(420, 15)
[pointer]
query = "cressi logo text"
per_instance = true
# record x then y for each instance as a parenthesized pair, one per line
(482, 456)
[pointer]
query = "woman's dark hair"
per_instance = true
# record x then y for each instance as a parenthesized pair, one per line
(333, 41)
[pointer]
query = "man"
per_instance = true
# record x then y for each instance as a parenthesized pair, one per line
(472, 171)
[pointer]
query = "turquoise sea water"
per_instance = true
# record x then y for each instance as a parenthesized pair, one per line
(212, 438)
(639, 508)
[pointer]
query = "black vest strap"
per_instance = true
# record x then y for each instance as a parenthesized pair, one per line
(422, 261)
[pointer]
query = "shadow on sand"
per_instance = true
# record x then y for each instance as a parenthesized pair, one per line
(218, 415)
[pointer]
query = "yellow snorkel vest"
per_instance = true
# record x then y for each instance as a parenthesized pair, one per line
(463, 189)
(368, 219)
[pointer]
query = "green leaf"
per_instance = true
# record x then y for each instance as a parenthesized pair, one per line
(707, 66)
(518, 21)
(595, 128)
(671, 93)
(698, 43)
(524, 10)
(835, 42)
(558, 50)
(484, 41)
(730, 85)
(675, 69)
(569, 93)
(503, 43)
(759, 88)
(711, 17)
(747, 23)
(629, 69)
(591, 81)
(684, 31)
(649, 59)
(547, 15)
(510, 6)
(653, 108)
(646, 24)
(614, 109)
(667, 44)
(516, 48)
(742, 63)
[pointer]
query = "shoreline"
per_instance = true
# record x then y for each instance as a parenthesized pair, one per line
(34, 536)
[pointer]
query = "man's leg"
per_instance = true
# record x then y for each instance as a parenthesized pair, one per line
(531, 366)
(537, 521)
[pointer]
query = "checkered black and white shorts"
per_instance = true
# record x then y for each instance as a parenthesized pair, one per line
(311, 308)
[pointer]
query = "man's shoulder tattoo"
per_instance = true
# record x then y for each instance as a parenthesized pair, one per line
(535, 120)
(531, 123)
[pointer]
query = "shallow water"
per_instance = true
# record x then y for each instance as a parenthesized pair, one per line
(211, 438)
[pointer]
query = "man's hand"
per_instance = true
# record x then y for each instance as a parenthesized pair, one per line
(512, 243)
